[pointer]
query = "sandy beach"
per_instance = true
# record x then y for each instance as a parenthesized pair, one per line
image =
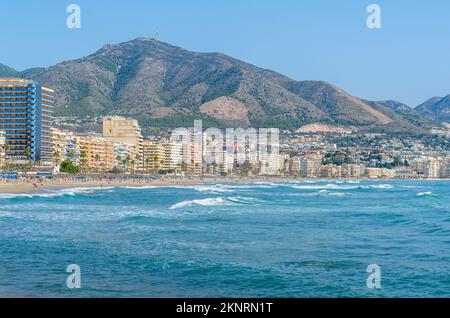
(30, 186)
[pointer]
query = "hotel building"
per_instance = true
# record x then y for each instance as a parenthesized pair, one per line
(125, 131)
(154, 156)
(26, 117)
(125, 155)
(173, 153)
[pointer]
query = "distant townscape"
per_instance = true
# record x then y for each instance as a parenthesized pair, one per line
(30, 142)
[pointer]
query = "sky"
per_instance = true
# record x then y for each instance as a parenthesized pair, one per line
(408, 59)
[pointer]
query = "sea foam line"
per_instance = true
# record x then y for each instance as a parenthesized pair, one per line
(220, 201)
(55, 193)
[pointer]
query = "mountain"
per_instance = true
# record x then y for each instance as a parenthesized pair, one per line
(6, 71)
(436, 108)
(164, 85)
(405, 116)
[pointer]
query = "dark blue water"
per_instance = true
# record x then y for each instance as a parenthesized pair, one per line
(247, 240)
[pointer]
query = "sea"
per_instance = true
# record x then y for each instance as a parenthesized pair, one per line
(319, 238)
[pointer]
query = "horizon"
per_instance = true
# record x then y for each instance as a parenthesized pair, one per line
(363, 66)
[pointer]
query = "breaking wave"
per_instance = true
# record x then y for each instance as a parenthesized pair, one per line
(424, 194)
(333, 186)
(221, 201)
(54, 193)
(333, 194)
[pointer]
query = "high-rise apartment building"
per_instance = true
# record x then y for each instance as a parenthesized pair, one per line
(26, 117)
(125, 131)
(154, 156)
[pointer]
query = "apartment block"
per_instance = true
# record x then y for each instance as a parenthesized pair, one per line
(125, 131)
(26, 117)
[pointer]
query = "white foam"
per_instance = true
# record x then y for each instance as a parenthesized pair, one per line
(5, 214)
(423, 194)
(329, 186)
(54, 193)
(141, 187)
(333, 194)
(220, 201)
(382, 186)
(204, 202)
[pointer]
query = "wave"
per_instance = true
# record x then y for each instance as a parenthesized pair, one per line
(220, 201)
(55, 193)
(424, 194)
(382, 186)
(333, 194)
(140, 187)
(5, 214)
(329, 186)
(333, 186)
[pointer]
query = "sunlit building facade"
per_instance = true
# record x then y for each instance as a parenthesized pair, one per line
(26, 117)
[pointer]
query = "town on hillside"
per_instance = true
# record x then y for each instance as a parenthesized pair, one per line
(32, 144)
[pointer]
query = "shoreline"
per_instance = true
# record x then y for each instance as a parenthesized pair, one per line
(27, 187)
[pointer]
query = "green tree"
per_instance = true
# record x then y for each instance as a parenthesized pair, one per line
(68, 167)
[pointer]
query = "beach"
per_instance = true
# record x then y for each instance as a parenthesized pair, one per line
(27, 186)
(33, 186)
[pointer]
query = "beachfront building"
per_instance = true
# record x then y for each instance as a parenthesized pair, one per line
(310, 166)
(60, 145)
(154, 156)
(125, 131)
(432, 169)
(26, 117)
(445, 168)
(331, 171)
(173, 154)
(378, 173)
(125, 156)
(194, 163)
(352, 170)
(96, 154)
(228, 159)
(67, 145)
(101, 155)
(294, 166)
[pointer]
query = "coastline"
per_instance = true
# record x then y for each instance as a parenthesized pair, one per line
(27, 187)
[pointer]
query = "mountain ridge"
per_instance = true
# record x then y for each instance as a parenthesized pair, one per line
(436, 108)
(165, 85)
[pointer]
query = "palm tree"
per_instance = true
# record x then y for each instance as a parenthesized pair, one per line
(138, 159)
(126, 161)
(133, 163)
(155, 164)
(97, 159)
(83, 159)
(57, 157)
(147, 163)
(6, 147)
(27, 154)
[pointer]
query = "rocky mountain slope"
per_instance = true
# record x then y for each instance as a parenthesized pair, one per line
(164, 85)
(436, 108)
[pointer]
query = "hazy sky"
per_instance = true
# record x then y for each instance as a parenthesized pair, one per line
(408, 59)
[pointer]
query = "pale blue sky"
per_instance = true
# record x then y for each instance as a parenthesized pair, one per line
(407, 60)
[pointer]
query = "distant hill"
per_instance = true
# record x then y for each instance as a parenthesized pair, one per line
(164, 85)
(436, 108)
(6, 71)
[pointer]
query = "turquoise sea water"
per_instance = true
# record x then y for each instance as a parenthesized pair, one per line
(298, 239)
